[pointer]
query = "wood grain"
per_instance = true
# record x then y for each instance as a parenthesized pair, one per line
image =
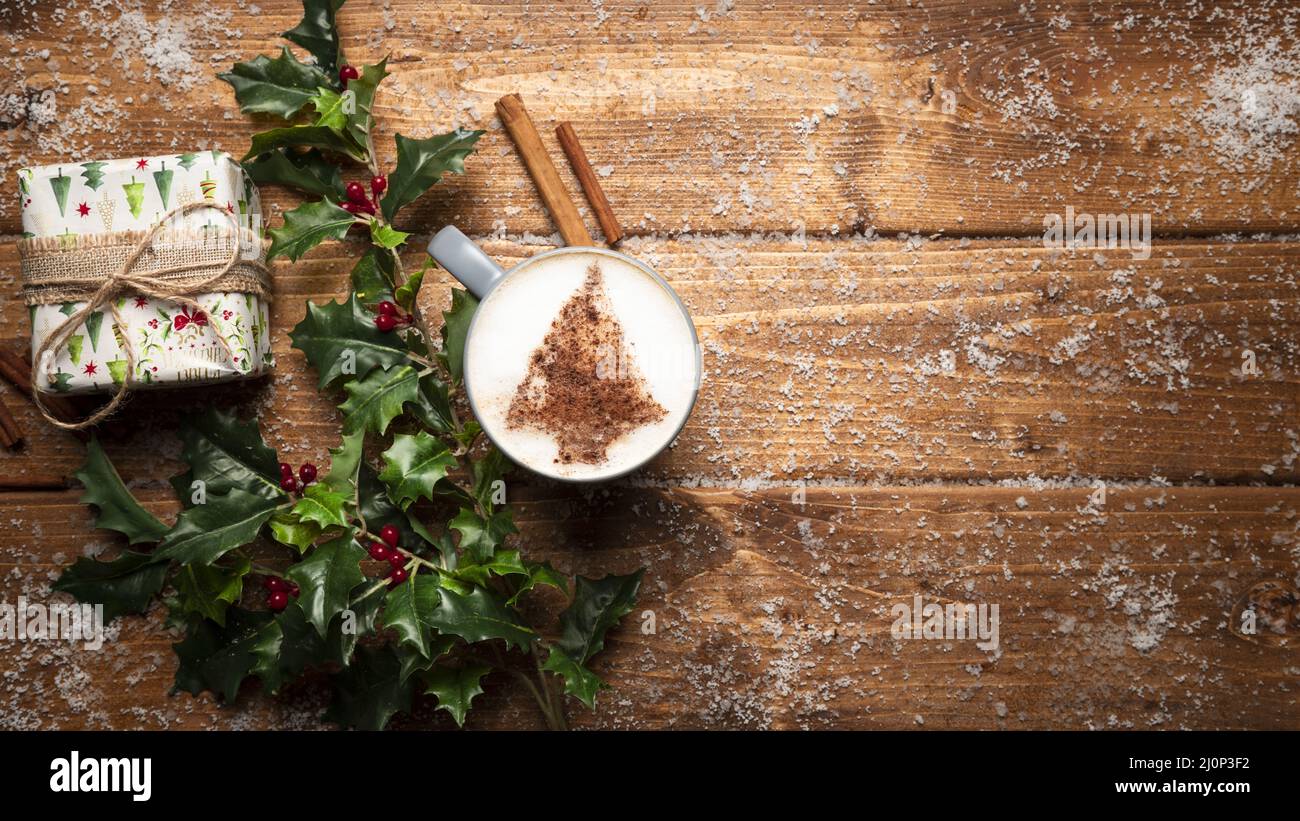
(770, 613)
(958, 117)
(841, 362)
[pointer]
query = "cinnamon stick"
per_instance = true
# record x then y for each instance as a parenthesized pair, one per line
(10, 434)
(590, 183)
(564, 213)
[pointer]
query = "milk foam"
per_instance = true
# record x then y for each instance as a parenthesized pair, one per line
(515, 317)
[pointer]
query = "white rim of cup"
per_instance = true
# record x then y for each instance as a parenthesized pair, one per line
(662, 283)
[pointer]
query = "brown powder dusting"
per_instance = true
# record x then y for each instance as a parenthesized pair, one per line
(581, 387)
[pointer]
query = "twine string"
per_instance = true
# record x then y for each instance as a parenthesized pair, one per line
(125, 280)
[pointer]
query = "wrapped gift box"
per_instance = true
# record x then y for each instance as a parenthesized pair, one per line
(86, 206)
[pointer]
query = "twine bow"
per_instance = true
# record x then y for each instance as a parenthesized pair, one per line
(126, 280)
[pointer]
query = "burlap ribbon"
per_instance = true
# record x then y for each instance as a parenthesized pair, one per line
(55, 270)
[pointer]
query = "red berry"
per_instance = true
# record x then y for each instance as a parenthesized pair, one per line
(294, 590)
(278, 600)
(379, 551)
(356, 193)
(398, 576)
(348, 73)
(274, 583)
(387, 307)
(307, 473)
(390, 534)
(379, 184)
(397, 559)
(350, 207)
(289, 484)
(286, 469)
(366, 207)
(385, 322)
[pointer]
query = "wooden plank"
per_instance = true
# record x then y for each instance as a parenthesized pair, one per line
(966, 117)
(844, 362)
(769, 612)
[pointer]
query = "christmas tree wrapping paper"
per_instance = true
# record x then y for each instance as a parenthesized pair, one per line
(78, 205)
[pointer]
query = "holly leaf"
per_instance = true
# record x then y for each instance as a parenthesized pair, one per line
(118, 509)
(370, 691)
(597, 606)
(455, 688)
(318, 33)
(363, 90)
(378, 510)
(345, 461)
(226, 454)
(208, 591)
(408, 610)
(358, 619)
(503, 563)
(404, 296)
(487, 471)
(372, 277)
(579, 682)
(385, 236)
(479, 537)
(433, 405)
(289, 530)
(421, 163)
(413, 465)
(539, 574)
(376, 400)
(285, 647)
(310, 136)
(478, 616)
(322, 506)
(307, 226)
(309, 172)
(329, 105)
(340, 339)
(326, 578)
(219, 658)
(124, 585)
(204, 533)
(281, 86)
(455, 327)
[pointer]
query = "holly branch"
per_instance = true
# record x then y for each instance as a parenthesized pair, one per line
(393, 572)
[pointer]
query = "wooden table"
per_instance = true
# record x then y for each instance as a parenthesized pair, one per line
(907, 394)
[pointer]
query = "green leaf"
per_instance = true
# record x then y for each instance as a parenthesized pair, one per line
(487, 472)
(124, 585)
(345, 460)
(204, 533)
(378, 510)
(455, 327)
(539, 574)
(385, 236)
(219, 658)
(363, 93)
(326, 578)
(285, 647)
(309, 172)
(208, 591)
(413, 465)
(370, 691)
(375, 401)
(292, 531)
(421, 163)
(340, 339)
(433, 405)
(309, 136)
(226, 454)
(478, 616)
(329, 109)
(322, 506)
(318, 33)
(455, 688)
(503, 563)
(479, 537)
(578, 680)
(307, 226)
(405, 295)
(597, 606)
(281, 86)
(408, 610)
(372, 277)
(118, 509)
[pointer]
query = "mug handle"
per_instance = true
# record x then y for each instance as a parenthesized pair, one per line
(465, 260)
